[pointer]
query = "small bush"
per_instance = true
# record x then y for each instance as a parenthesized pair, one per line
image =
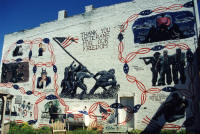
(168, 132)
(21, 129)
(136, 131)
(44, 130)
(181, 132)
(79, 131)
(162, 132)
(27, 129)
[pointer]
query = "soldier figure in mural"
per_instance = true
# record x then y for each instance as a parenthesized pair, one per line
(72, 73)
(74, 78)
(79, 82)
(164, 30)
(165, 62)
(68, 83)
(104, 80)
(41, 49)
(178, 64)
(4, 73)
(16, 74)
(23, 105)
(65, 85)
(18, 51)
(44, 80)
(155, 69)
(53, 110)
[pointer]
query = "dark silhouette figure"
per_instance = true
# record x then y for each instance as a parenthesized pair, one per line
(155, 69)
(17, 51)
(52, 112)
(72, 73)
(80, 76)
(165, 71)
(67, 82)
(178, 65)
(4, 73)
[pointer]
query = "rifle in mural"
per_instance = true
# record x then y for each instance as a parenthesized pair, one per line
(145, 57)
(63, 45)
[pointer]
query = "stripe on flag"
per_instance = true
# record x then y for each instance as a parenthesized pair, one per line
(66, 41)
(19, 121)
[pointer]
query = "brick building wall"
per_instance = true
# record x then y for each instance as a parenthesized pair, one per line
(93, 39)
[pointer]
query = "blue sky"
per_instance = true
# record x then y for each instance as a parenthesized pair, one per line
(17, 15)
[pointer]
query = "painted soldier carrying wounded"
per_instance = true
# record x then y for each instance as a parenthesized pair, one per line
(104, 80)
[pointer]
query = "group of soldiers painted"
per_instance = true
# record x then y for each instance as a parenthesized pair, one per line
(74, 77)
(167, 66)
(12, 73)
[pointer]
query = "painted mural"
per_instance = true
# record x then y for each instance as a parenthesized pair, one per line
(95, 39)
(165, 68)
(18, 51)
(163, 56)
(76, 72)
(15, 72)
(169, 67)
(74, 78)
(50, 111)
(164, 26)
(22, 109)
(44, 80)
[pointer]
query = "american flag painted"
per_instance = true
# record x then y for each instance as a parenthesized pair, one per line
(66, 41)
(19, 121)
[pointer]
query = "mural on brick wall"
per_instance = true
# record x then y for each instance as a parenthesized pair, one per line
(18, 51)
(51, 110)
(164, 26)
(74, 78)
(41, 49)
(43, 81)
(165, 68)
(95, 39)
(75, 73)
(53, 89)
(22, 109)
(15, 72)
(45, 89)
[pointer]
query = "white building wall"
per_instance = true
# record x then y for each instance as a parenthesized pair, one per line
(102, 20)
